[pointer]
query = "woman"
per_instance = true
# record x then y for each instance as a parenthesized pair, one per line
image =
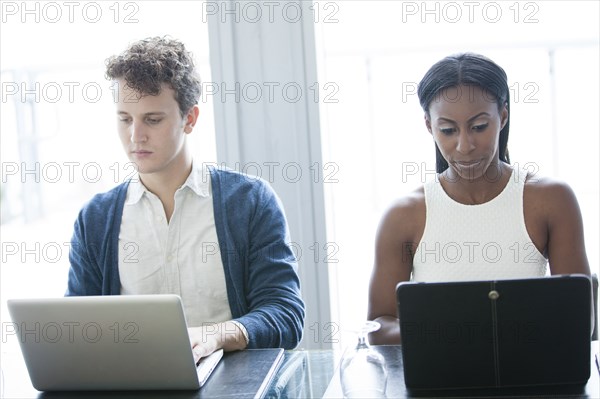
(481, 218)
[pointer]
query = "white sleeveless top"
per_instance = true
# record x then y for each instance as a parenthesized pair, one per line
(476, 242)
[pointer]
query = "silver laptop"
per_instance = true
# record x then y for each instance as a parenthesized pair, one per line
(121, 342)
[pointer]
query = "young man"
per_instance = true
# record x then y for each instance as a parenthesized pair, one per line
(214, 237)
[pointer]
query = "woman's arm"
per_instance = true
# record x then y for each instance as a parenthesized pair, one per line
(399, 232)
(552, 215)
(554, 207)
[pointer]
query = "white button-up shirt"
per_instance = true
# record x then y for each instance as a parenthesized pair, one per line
(178, 257)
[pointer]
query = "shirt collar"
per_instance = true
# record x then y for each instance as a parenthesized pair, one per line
(135, 191)
(198, 181)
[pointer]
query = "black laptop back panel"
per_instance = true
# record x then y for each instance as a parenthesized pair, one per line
(495, 334)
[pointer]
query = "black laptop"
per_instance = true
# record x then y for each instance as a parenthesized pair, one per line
(496, 334)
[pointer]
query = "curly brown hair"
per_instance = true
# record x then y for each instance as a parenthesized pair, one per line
(150, 62)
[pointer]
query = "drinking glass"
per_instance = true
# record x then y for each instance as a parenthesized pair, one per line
(363, 372)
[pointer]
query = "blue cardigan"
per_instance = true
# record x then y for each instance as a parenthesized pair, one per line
(263, 287)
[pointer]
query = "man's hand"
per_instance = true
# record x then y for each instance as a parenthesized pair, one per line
(211, 337)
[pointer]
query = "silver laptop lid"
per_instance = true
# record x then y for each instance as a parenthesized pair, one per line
(105, 342)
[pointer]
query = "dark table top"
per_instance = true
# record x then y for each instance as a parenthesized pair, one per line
(397, 389)
(302, 374)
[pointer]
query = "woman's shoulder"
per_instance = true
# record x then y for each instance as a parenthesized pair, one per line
(548, 192)
(406, 215)
(409, 202)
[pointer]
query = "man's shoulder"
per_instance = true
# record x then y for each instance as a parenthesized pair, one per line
(102, 202)
(232, 182)
(242, 192)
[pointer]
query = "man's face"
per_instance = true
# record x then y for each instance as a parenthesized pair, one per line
(152, 130)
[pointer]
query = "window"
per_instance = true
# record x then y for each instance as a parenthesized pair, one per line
(59, 141)
(376, 53)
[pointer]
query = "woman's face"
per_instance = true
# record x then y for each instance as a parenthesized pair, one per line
(465, 123)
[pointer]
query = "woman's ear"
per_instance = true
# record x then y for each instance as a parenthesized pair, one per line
(428, 123)
(504, 116)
